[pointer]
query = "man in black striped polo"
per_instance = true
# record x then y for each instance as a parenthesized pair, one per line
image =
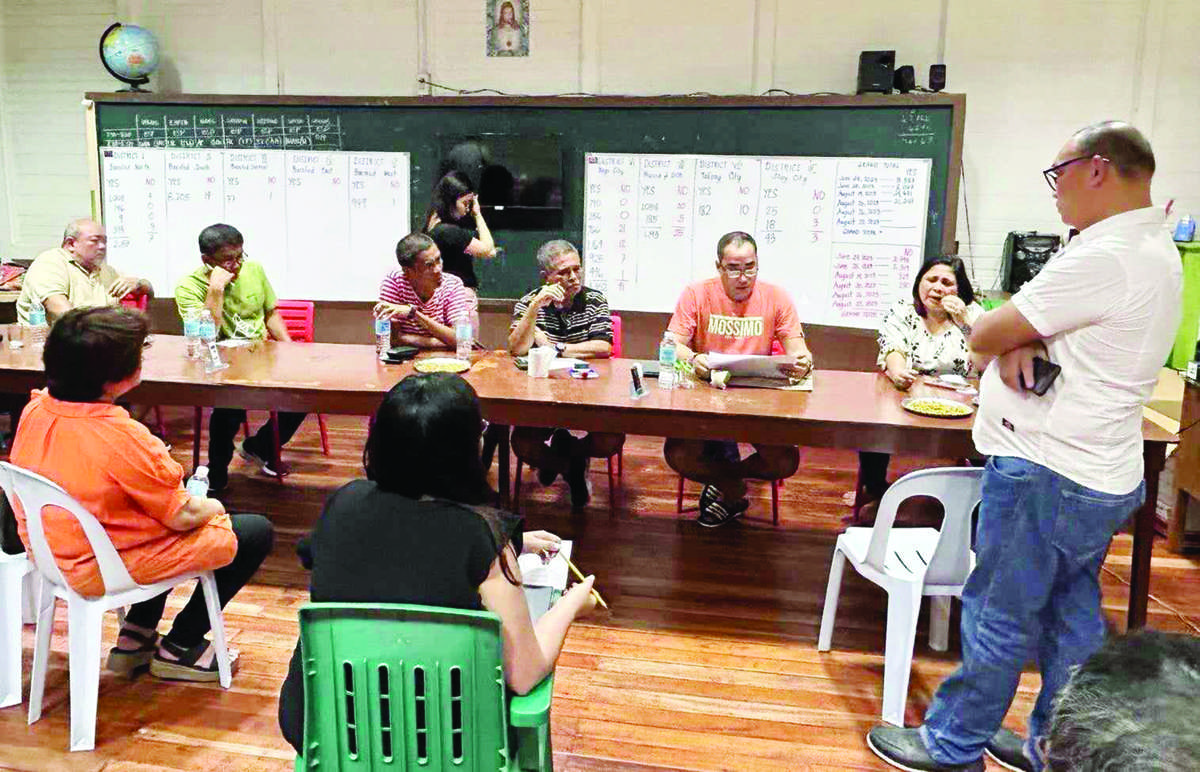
(574, 319)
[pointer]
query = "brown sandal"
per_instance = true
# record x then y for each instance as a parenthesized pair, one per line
(127, 662)
(185, 668)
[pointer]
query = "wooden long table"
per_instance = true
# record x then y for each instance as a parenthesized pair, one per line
(846, 410)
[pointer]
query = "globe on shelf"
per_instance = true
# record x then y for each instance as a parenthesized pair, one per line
(130, 54)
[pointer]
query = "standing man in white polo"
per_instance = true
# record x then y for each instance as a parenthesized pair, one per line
(1065, 469)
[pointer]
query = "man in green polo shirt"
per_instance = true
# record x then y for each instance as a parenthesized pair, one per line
(242, 303)
(76, 275)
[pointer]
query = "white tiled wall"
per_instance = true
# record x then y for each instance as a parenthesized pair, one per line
(1033, 71)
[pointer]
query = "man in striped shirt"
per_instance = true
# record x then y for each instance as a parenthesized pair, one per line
(574, 319)
(422, 302)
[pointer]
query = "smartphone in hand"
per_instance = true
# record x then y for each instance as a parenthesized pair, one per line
(1044, 374)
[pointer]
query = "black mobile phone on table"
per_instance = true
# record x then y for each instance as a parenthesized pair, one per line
(398, 354)
(1044, 374)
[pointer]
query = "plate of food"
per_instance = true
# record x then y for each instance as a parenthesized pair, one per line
(936, 407)
(441, 365)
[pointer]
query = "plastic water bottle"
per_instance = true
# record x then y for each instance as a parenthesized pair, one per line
(464, 336)
(383, 338)
(666, 362)
(197, 484)
(1185, 229)
(38, 329)
(208, 339)
(191, 333)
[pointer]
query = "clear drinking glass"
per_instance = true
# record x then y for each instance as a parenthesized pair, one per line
(16, 334)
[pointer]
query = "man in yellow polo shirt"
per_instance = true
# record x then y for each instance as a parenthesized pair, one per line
(76, 275)
(242, 303)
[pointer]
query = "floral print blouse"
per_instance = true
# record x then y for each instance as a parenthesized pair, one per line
(903, 330)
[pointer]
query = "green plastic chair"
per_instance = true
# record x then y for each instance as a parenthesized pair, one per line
(402, 687)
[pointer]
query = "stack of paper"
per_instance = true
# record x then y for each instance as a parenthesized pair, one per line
(758, 371)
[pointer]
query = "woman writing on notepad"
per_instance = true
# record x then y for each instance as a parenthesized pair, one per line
(420, 529)
(924, 336)
(457, 226)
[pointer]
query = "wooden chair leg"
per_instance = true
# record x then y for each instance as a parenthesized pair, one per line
(775, 501)
(679, 497)
(516, 500)
(612, 490)
(324, 433)
(621, 462)
(860, 496)
(162, 424)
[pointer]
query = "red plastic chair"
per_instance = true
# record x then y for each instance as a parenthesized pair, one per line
(141, 303)
(774, 499)
(620, 455)
(776, 350)
(299, 316)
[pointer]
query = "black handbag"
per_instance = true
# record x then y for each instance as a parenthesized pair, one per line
(1025, 252)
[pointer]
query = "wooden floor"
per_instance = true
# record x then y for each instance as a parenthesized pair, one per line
(707, 660)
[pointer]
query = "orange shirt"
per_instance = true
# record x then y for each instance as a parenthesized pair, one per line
(121, 473)
(713, 323)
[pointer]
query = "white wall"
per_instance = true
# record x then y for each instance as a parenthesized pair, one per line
(1033, 71)
(50, 59)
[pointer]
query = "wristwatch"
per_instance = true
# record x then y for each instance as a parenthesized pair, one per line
(561, 348)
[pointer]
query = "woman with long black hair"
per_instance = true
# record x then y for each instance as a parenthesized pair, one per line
(456, 224)
(422, 529)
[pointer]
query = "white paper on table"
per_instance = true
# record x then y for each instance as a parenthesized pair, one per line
(535, 573)
(564, 363)
(753, 365)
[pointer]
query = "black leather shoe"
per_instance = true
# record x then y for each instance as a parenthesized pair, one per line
(904, 749)
(1007, 748)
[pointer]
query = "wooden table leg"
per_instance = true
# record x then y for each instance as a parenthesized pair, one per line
(197, 416)
(1154, 456)
(502, 474)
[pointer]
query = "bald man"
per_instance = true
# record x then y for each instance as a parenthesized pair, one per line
(76, 275)
(1064, 468)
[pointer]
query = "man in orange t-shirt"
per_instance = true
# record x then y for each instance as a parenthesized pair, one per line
(73, 434)
(734, 313)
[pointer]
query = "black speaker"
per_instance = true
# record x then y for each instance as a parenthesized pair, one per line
(937, 77)
(1025, 254)
(875, 71)
(905, 79)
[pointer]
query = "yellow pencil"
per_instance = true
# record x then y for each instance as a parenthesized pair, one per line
(581, 577)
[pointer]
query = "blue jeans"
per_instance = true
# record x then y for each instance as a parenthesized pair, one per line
(1034, 593)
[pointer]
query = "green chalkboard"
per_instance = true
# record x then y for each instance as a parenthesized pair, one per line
(911, 126)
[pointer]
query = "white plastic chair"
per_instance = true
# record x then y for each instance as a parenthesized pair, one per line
(84, 615)
(18, 592)
(15, 608)
(910, 563)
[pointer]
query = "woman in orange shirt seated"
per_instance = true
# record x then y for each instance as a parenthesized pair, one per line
(75, 435)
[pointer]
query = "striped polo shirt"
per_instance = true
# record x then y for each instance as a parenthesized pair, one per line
(587, 317)
(447, 305)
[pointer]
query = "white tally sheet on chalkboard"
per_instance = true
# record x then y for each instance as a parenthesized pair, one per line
(324, 225)
(843, 236)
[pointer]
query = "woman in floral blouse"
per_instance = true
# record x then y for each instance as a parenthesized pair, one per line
(927, 336)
